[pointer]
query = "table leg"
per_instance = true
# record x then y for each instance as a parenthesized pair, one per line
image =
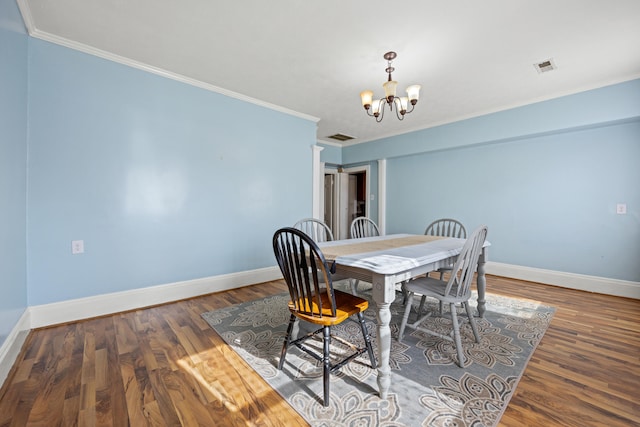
(481, 283)
(384, 349)
(383, 295)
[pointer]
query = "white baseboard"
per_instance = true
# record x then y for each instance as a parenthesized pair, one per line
(83, 308)
(100, 305)
(72, 310)
(12, 345)
(601, 285)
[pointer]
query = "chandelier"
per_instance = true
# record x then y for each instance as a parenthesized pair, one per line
(375, 107)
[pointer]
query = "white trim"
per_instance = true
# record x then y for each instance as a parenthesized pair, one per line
(335, 213)
(601, 285)
(27, 17)
(382, 196)
(83, 308)
(317, 184)
(10, 349)
(321, 192)
(25, 11)
(510, 106)
(100, 305)
(330, 143)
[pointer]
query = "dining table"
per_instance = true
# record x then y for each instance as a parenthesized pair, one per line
(386, 261)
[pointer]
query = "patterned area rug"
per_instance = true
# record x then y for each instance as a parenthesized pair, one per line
(427, 387)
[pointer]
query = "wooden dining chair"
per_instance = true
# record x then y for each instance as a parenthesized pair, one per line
(320, 232)
(316, 229)
(444, 227)
(363, 227)
(456, 290)
(447, 227)
(313, 299)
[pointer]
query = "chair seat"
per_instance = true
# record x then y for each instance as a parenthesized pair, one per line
(346, 306)
(432, 287)
(339, 277)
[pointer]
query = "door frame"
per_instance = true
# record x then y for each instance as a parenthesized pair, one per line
(342, 186)
(335, 220)
(318, 171)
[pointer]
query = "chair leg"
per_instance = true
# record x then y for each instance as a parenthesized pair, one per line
(472, 321)
(421, 306)
(405, 317)
(287, 340)
(456, 334)
(367, 341)
(326, 363)
(441, 303)
(405, 293)
(354, 286)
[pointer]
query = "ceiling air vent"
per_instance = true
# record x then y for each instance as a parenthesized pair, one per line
(544, 66)
(341, 137)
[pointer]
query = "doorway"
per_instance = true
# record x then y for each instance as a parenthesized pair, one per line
(345, 198)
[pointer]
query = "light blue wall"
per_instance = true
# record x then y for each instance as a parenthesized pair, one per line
(549, 201)
(163, 181)
(331, 154)
(545, 178)
(586, 109)
(13, 167)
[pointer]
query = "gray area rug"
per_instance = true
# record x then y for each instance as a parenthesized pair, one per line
(427, 387)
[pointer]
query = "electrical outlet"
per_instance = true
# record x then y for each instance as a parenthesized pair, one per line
(621, 208)
(77, 247)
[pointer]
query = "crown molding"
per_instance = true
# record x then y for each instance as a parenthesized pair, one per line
(329, 143)
(43, 35)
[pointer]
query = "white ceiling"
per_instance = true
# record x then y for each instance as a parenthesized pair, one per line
(314, 57)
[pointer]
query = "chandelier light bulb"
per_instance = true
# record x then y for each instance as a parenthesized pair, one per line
(404, 103)
(366, 96)
(390, 90)
(413, 92)
(376, 106)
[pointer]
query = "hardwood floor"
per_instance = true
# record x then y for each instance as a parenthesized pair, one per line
(165, 366)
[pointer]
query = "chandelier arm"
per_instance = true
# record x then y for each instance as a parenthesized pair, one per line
(398, 105)
(381, 115)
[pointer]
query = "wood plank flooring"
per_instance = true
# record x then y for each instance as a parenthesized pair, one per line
(164, 366)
